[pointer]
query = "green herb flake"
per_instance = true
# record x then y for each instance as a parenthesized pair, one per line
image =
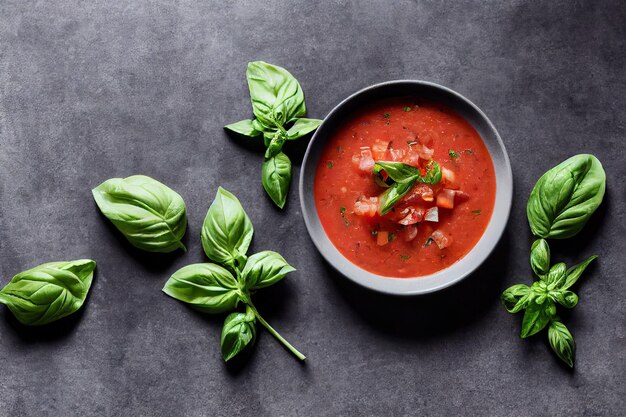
(392, 237)
(452, 153)
(342, 210)
(407, 108)
(386, 115)
(346, 222)
(405, 257)
(428, 242)
(476, 212)
(411, 143)
(330, 164)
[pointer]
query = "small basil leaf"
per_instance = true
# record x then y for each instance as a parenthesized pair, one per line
(48, 292)
(516, 297)
(276, 176)
(562, 342)
(244, 127)
(433, 174)
(536, 317)
(398, 171)
(276, 95)
(540, 257)
(275, 146)
(302, 127)
(152, 216)
(567, 299)
(206, 287)
(392, 195)
(576, 271)
(227, 230)
(566, 196)
(556, 275)
(264, 269)
(238, 332)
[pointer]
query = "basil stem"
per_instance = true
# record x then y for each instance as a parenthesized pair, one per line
(277, 335)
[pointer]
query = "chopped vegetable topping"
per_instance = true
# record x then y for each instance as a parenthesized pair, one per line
(441, 239)
(432, 215)
(330, 164)
(428, 241)
(382, 238)
(476, 212)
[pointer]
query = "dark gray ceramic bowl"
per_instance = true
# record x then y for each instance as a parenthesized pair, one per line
(504, 187)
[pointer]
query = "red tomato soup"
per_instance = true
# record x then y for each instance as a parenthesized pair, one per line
(437, 220)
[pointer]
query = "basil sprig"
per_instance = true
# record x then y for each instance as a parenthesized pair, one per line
(402, 178)
(559, 206)
(152, 216)
(212, 288)
(277, 102)
(48, 292)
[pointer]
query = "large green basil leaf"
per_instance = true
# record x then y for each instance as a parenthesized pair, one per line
(302, 127)
(398, 171)
(576, 271)
(244, 127)
(540, 257)
(556, 275)
(562, 342)
(276, 95)
(565, 197)
(149, 214)
(264, 269)
(537, 316)
(392, 195)
(206, 287)
(48, 292)
(239, 331)
(227, 230)
(276, 177)
(567, 299)
(516, 297)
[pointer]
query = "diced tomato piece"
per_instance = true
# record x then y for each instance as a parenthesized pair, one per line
(410, 232)
(396, 154)
(379, 150)
(423, 151)
(447, 176)
(460, 197)
(412, 159)
(411, 215)
(432, 215)
(420, 192)
(364, 161)
(445, 198)
(382, 238)
(441, 239)
(366, 207)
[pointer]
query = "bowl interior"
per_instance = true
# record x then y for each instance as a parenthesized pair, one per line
(504, 187)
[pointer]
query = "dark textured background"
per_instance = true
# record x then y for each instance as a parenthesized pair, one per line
(96, 89)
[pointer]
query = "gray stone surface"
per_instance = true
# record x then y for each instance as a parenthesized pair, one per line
(96, 89)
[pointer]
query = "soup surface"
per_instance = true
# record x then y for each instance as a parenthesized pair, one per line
(434, 223)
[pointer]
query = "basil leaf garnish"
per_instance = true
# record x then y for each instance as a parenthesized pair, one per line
(565, 197)
(302, 127)
(392, 195)
(540, 257)
(537, 316)
(238, 331)
(264, 269)
(276, 177)
(516, 297)
(244, 127)
(227, 230)
(562, 342)
(207, 287)
(576, 271)
(152, 216)
(48, 292)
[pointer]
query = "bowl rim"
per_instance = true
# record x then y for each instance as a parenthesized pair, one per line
(440, 279)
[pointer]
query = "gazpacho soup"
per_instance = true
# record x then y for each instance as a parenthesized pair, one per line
(404, 188)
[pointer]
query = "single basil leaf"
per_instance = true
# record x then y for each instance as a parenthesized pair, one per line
(275, 146)
(264, 269)
(244, 127)
(238, 332)
(392, 195)
(276, 95)
(576, 271)
(556, 275)
(516, 297)
(398, 171)
(302, 127)
(48, 292)
(567, 299)
(536, 317)
(206, 287)
(562, 342)
(540, 257)
(152, 216)
(276, 176)
(566, 196)
(433, 174)
(227, 230)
